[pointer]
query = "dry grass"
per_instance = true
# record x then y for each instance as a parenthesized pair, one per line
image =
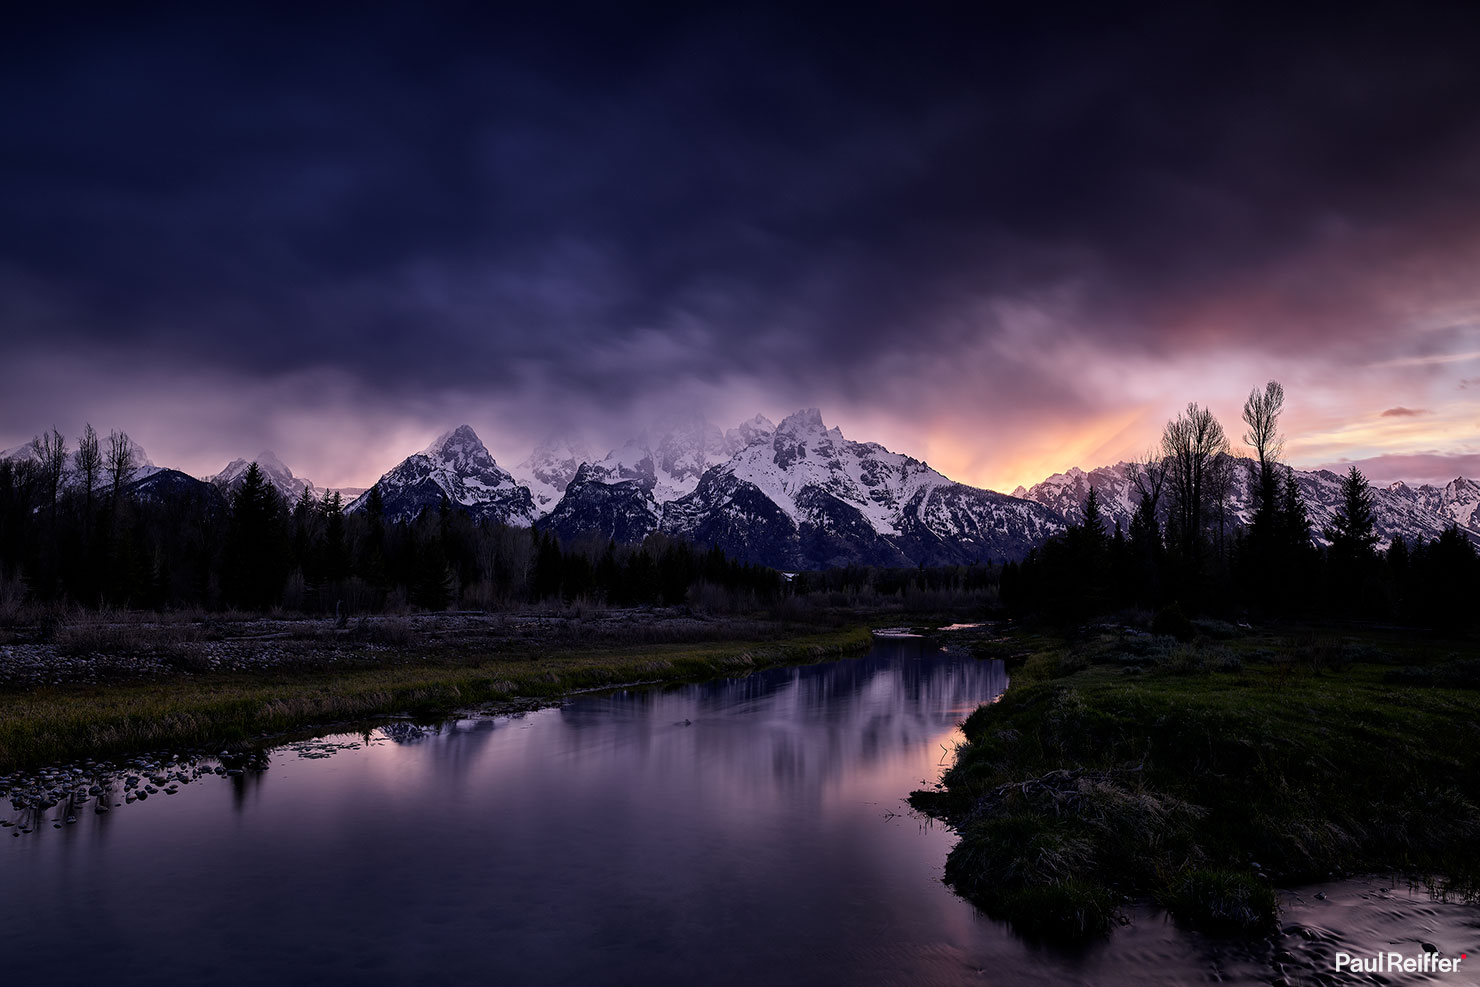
(54, 724)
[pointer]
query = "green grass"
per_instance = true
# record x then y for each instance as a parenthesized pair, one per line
(49, 725)
(1197, 773)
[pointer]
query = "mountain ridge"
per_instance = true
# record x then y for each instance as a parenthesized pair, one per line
(1399, 509)
(800, 494)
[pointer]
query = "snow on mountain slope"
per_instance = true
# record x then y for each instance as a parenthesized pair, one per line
(595, 506)
(290, 487)
(21, 453)
(72, 480)
(759, 429)
(1413, 512)
(806, 455)
(143, 466)
(549, 468)
(1461, 501)
(458, 466)
(1458, 500)
(810, 497)
(669, 458)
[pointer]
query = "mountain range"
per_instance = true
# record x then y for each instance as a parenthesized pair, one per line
(1398, 509)
(794, 495)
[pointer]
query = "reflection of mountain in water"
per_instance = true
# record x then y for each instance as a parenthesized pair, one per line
(793, 730)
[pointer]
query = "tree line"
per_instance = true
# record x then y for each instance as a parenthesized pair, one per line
(1186, 552)
(73, 530)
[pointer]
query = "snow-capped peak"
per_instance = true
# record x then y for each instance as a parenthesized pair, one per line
(273, 470)
(1412, 511)
(456, 466)
(458, 446)
(748, 433)
(23, 452)
(804, 454)
(802, 422)
(669, 457)
(550, 467)
(812, 495)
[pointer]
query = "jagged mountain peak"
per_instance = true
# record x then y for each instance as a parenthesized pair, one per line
(267, 459)
(550, 466)
(801, 422)
(595, 473)
(752, 431)
(277, 474)
(669, 456)
(459, 445)
(459, 467)
(597, 505)
(559, 445)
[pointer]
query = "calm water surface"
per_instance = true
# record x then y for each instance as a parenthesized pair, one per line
(743, 831)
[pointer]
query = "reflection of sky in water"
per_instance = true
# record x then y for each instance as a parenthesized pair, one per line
(740, 831)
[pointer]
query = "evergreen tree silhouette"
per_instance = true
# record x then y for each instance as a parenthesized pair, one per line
(256, 564)
(1353, 529)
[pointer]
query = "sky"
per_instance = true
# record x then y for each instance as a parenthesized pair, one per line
(1007, 241)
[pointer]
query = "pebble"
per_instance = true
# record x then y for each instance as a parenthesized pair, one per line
(72, 787)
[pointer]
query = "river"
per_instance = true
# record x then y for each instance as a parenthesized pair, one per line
(741, 831)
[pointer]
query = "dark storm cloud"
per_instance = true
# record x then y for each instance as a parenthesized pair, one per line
(591, 205)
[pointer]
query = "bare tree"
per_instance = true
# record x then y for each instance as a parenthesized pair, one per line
(1148, 474)
(122, 463)
(1218, 482)
(51, 457)
(1190, 442)
(88, 462)
(1262, 415)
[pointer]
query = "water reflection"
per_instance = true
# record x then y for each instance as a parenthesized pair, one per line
(735, 832)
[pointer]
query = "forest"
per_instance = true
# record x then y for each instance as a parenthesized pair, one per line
(1181, 558)
(75, 531)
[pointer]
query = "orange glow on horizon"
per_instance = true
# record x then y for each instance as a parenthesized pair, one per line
(1003, 463)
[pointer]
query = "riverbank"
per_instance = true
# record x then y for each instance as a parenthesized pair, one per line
(1202, 774)
(110, 690)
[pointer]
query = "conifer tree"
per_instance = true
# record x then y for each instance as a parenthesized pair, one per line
(1294, 519)
(1094, 525)
(1353, 529)
(256, 563)
(336, 553)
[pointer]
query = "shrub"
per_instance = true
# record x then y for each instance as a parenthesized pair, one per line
(1171, 620)
(1222, 899)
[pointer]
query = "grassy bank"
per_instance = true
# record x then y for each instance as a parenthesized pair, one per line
(58, 723)
(1201, 773)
